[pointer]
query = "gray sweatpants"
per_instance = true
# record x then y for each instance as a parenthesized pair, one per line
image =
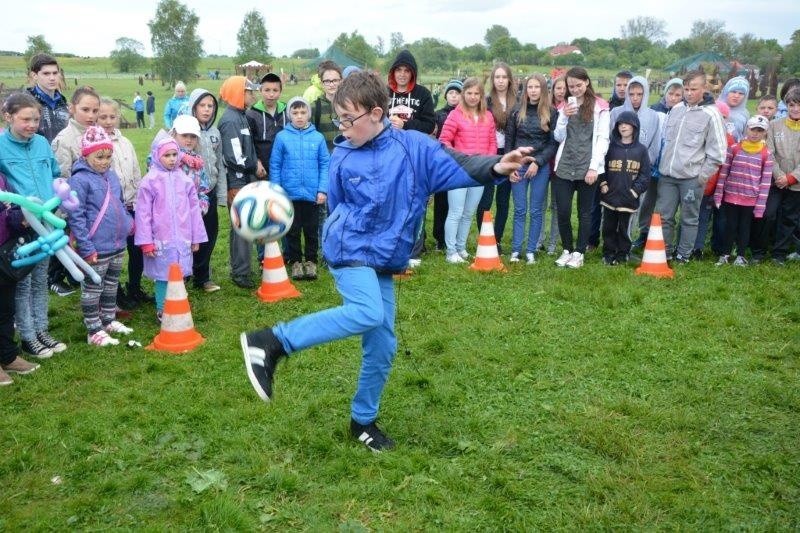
(686, 194)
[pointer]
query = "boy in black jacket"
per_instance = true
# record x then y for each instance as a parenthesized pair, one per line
(626, 178)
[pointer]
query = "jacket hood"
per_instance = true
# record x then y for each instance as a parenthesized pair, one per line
(626, 117)
(672, 83)
(280, 106)
(194, 98)
(708, 99)
(232, 91)
(645, 86)
(736, 84)
(159, 147)
(403, 58)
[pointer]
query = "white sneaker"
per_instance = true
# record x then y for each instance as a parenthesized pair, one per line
(576, 261)
(566, 255)
(531, 259)
(101, 338)
(464, 255)
(414, 263)
(454, 259)
(514, 257)
(740, 261)
(118, 327)
(723, 260)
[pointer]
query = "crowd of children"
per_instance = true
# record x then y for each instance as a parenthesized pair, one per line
(707, 162)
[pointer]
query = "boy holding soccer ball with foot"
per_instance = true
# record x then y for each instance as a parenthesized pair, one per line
(367, 239)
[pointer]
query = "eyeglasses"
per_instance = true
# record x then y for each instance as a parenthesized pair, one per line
(332, 82)
(348, 122)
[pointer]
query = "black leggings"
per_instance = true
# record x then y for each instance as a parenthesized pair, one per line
(563, 191)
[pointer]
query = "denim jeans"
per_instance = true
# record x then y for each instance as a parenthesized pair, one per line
(529, 196)
(368, 309)
(462, 204)
(31, 302)
(708, 213)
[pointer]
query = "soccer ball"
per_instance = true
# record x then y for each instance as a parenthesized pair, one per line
(261, 210)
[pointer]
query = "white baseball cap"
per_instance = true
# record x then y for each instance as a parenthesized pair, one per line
(758, 121)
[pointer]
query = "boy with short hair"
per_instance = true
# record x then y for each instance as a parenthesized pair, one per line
(55, 109)
(299, 164)
(620, 88)
(368, 238)
(767, 106)
(673, 94)
(266, 118)
(241, 163)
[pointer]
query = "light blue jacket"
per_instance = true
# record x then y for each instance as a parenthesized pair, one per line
(299, 162)
(30, 166)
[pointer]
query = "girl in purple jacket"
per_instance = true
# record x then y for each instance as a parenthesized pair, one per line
(100, 225)
(169, 224)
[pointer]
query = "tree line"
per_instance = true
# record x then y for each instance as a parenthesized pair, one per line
(642, 43)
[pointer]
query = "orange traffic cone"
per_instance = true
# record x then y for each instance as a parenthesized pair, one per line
(486, 257)
(654, 259)
(275, 284)
(177, 328)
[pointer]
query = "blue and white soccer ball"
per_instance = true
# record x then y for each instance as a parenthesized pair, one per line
(261, 211)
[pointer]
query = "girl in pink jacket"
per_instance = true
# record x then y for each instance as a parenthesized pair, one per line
(169, 224)
(469, 128)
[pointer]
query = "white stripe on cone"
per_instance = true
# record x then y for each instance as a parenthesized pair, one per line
(654, 256)
(274, 275)
(175, 323)
(486, 251)
(655, 233)
(487, 228)
(176, 290)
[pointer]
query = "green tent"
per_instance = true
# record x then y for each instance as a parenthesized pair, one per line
(693, 62)
(334, 53)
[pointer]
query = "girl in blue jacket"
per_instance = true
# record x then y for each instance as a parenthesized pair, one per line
(299, 163)
(30, 167)
(100, 225)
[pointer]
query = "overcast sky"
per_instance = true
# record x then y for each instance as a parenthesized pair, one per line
(295, 24)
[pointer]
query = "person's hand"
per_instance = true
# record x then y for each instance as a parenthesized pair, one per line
(195, 247)
(397, 122)
(513, 160)
(532, 170)
(604, 188)
(321, 198)
(91, 258)
(781, 182)
(260, 171)
(515, 177)
(570, 109)
(591, 177)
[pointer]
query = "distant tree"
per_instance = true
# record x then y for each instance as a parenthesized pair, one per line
(756, 51)
(528, 54)
(252, 38)
(356, 47)
(127, 56)
(432, 53)
(504, 48)
(380, 47)
(396, 43)
(710, 36)
(475, 52)
(651, 28)
(36, 45)
(791, 55)
(306, 53)
(176, 46)
(494, 33)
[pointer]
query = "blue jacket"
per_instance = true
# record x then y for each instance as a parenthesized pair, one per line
(172, 109)
(117, 223)
(30, 166)
(299, 162)
(378, 192)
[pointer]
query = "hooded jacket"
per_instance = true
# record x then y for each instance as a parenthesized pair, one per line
(314, 90)
(530, 133)
(29, 165)
(694, 141)
(55, 112)
(441, 115)
(126, 166)
(112, 232)
(378, 191)
(463, 133)
(210, 146)
(739, 114)
(168, 217)
(416, 97)
(67, 146)
(299, 162)
(238, 150)
(172, 108)
(627, 168)
(264, 127)
(661, 105)
(650, 122)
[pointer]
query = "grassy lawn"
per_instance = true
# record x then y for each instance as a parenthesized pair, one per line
(537, 399)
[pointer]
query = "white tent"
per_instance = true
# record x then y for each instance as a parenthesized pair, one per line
(252, 64)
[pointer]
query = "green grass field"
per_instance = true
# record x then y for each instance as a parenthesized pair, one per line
(537, 399)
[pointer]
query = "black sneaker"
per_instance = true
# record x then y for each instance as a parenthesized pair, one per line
(138, 295)
(61, 289)
(244, 282)
(371, 436)
(45, 338)
(36, 349)
(124, 301)
(261, 350)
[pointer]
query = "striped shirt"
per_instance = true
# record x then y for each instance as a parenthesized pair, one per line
(744, 179)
